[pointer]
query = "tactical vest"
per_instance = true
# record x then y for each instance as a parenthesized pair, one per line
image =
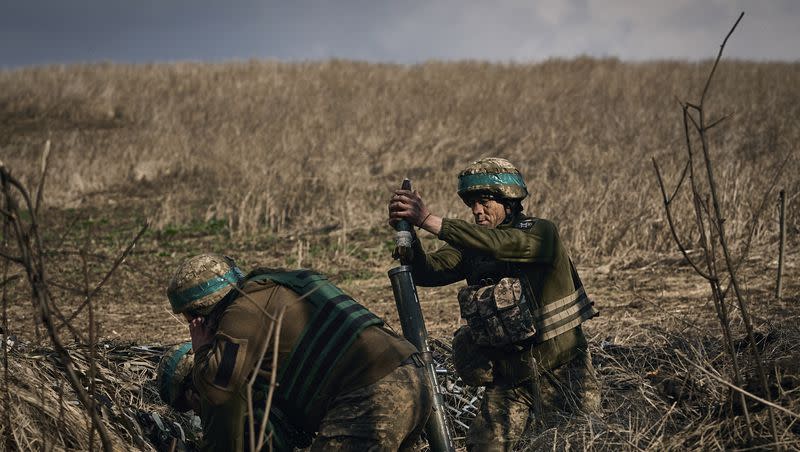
(504, 323)
(337, 320)
(564, 314)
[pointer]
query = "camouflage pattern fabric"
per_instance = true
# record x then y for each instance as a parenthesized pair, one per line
(570, 388)
(472, 364)
(202, 281)
(506, 413)
(174, 376)
(493, 176)
(387, 415)
(498, 315)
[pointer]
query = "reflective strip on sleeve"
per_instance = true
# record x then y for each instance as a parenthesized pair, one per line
(564, 320)
(558, 304)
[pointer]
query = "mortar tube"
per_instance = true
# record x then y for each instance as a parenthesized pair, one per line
(413, 325)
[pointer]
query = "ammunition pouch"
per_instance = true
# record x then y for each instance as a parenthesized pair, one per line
(502, 316)
(498, 315)
(510, 315)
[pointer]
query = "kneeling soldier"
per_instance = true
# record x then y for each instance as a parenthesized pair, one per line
(343, 380)
(174, 378)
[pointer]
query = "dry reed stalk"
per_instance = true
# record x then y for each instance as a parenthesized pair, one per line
(30, 258)
(782, 240)
(738, 389)
(8, 443)
(272, 384)
(350, 129)
(249, 391)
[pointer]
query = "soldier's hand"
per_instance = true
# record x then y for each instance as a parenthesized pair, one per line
(200, 332)
(407, 205)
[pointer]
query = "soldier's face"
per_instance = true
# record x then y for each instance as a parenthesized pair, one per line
(487, 212)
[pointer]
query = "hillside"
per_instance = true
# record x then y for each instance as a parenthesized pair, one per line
(292, 165)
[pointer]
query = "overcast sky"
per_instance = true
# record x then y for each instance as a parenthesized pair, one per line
(403, 31)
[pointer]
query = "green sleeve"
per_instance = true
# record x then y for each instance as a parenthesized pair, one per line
(221, 370)
(440, 268)
(223, 424)
(535, 245)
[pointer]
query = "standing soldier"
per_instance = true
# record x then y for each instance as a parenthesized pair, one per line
(524, 303)
(344, 382)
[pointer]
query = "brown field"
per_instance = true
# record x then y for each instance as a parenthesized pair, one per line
(292, 165)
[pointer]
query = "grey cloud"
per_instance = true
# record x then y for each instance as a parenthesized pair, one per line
(44, 31)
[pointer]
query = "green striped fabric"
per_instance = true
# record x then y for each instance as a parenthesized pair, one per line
(336, 322)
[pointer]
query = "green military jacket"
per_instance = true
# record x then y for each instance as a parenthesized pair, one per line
(223, 367)
(483, 256)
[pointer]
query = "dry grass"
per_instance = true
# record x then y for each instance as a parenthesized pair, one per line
(656, 399)
(653, 398)
(292, 165)
(45, 414)
(267, 146)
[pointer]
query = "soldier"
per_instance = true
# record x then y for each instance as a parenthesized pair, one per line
(343, 380)
(524, 303)
(174, 378)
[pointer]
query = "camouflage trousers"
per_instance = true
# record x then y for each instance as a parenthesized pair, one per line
(506, 414)
(388, 415)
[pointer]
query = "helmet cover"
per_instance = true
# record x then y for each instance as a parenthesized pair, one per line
(492, 176)
(202, 281)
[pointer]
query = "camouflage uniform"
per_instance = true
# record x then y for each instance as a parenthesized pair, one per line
(520, 245)
(375, 396)
(357, 420)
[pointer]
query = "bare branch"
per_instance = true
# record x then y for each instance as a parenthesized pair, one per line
(45, 162)
(720, 220)
(680, 181)
(119, 260)
(9, 279)
(34, 267)
(250, 413)
(671, 223)
(273, 379)
(711, 126)
(694, 122)
(15, 259)
(719, 56)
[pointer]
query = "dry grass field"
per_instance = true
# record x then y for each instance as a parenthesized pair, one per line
(292, 165)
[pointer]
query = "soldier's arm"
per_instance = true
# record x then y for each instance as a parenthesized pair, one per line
(440, 268)
(221, 369)
(223, 425)
(535, 245)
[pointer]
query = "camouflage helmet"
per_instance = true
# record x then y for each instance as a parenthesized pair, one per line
(493, 176)
(172, 373)
(200, 282)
